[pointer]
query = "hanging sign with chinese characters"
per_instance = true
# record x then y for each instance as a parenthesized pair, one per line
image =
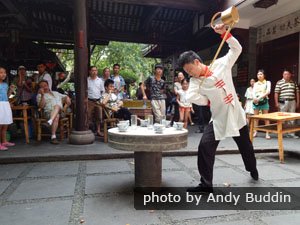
(284, 26)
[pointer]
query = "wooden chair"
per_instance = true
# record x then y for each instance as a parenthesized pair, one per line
(44, 129)
(69, 114)
(108, 122)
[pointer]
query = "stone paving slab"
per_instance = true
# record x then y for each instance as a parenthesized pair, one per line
(193, 214)
(54, 169)
(109, 183)
(102, 166)
(229, 175)
(270, 172)
(178, 179)
(11, 171)
(44, 188)
(294, 183)
(293, 219)
(240, 222)
(4, 185)
(236, 159)
(116, 210)
(44, 213)
(168, 164)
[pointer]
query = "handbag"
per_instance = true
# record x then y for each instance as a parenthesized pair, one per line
(261, 102)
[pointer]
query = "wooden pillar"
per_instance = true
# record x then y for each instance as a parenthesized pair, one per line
(81, 135)
(252, 53)
(298, 75)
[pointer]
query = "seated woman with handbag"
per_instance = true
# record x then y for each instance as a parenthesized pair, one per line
(261, 90)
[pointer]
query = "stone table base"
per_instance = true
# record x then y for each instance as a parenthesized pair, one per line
(147, 169)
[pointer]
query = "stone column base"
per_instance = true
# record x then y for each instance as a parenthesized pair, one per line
(82, 137)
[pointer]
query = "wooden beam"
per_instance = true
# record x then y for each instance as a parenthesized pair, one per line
(59, 46)
(104, 37)
(194, 5)
(150, 16)
(100, 23)
(179, 28)
(135, 38)
(228, 3)
(12, 8)
(6, 15)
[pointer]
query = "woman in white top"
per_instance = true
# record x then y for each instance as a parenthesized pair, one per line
(249, 100)
(261, 91)
(185, 107)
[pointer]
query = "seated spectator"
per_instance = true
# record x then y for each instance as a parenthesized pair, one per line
(52, 103)
(113, 103)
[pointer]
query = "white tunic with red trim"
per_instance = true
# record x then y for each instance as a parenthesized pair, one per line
(228, 115)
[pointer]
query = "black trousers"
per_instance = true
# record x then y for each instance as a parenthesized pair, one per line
(204, 116)
(207, 150)
(123, 113)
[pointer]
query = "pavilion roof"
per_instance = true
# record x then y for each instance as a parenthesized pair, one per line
(170, 24)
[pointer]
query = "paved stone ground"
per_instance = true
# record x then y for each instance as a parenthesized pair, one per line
(100, 192)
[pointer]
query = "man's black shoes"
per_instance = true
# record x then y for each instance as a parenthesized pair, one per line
(254, 174)
(200, 189)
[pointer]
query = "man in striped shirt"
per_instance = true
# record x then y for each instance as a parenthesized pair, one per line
(287, 95)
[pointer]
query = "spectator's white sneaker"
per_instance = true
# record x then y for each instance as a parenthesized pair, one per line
(50, 122)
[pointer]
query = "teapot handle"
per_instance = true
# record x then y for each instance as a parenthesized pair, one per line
(213, 19)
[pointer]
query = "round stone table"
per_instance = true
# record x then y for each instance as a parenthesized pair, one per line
(147, 147)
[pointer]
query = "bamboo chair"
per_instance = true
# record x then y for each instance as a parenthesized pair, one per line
(44, 129)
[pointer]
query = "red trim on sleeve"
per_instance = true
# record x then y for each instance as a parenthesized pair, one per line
(228, 36)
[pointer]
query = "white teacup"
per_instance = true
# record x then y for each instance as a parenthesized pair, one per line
(167, 123)
(144, 123)
(158, 128)
(178, 125)
(123, 125)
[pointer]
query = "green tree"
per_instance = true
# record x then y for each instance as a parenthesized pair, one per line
(128, 55)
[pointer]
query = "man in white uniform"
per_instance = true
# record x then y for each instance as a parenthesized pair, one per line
(214, 86)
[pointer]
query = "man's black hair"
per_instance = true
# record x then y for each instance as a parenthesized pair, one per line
(108, 82)
(287, 70)
(91, 67)
(116, 64)
(41, 63)
(188, 57)
(158, 65)
(43, 81)
(185, 79)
